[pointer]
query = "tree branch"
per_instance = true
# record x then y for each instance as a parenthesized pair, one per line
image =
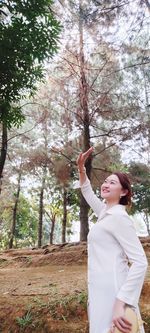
(57, 151)
(101, 151)
(20, 134)
(126, 67)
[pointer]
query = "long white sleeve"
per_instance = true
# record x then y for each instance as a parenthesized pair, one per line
(91, 198)
(124, 232)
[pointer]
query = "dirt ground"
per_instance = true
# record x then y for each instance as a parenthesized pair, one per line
(46, 290)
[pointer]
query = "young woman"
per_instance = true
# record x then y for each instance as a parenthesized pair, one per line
(116, 260)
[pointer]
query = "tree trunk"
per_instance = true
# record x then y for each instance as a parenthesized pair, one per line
(146, 219)
(3, 151)
(52, 228)
(64, 221)
(40, 224)
(13, 228)
(146, 86)
(84, 208)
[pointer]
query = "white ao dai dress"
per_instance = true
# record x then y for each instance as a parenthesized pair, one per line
(112, 245)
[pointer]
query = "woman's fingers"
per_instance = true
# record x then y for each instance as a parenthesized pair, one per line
(122, 329)
(123, 325)
(79, 158)
(83, 156)
(126, 321)
(87, 153)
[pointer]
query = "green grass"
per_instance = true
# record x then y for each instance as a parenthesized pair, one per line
(62, 307)
(25, 320)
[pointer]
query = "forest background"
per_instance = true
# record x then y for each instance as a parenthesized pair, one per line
(87, 83)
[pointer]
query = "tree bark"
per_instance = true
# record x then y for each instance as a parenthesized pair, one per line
(41, 205)
(3, 151)
(146, 86)
(52, 228)
(64, 221)
(84, 207)
(146, 219)
(13, 228)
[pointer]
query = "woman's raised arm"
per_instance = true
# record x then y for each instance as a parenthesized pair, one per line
(81, 164)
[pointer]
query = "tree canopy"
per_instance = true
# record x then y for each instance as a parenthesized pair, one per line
(28, 35)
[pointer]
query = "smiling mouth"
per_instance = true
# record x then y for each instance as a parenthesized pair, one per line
(105, 191)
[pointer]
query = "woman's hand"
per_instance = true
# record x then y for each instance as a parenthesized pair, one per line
(119, 319)
(83, 157)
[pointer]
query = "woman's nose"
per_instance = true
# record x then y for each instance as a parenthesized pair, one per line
(106, 186)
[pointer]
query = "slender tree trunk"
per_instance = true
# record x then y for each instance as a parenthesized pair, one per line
(41, 205)
(52, 229)
(146, 219)
(13, 228)
(146, 86)
(84, 208)
(64, 221)
(3, 151)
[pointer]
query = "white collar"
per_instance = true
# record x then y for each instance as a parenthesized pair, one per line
(114, 210)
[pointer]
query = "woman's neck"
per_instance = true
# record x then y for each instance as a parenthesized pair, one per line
(111, 204)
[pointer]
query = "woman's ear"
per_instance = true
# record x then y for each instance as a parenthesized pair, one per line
(124, 193)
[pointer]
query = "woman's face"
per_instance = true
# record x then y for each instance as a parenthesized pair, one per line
(111, 189)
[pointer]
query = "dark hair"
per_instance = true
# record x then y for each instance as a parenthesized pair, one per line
(126, 185)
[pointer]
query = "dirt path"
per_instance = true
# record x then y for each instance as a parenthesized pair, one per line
(46, 290)
(36, 289)
(43, 290)
(34, 281)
